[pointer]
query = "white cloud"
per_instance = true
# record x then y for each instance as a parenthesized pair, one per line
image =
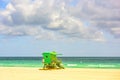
(54, 19)
(101, 14)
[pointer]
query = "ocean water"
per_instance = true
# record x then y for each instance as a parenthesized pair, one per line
(68, 62)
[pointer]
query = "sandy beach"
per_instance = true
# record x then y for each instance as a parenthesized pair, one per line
(19, 73)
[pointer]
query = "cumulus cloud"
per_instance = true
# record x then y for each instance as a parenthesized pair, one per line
(101, 14)
(61, 19)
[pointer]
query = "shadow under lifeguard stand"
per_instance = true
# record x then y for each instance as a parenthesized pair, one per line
(50, 61)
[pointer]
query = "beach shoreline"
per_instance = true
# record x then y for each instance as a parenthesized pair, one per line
(26, 73)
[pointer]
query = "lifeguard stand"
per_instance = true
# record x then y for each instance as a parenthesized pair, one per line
(51, 61)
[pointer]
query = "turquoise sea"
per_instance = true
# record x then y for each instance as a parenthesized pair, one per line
(68, 62)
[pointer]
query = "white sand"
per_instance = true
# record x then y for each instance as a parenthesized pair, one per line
(18, 73)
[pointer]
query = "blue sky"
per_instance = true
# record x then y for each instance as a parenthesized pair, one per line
(3, 3)
(70, 27)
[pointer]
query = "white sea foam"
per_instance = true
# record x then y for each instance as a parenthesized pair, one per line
(71, 64)
(100, 65)
(106, 65)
